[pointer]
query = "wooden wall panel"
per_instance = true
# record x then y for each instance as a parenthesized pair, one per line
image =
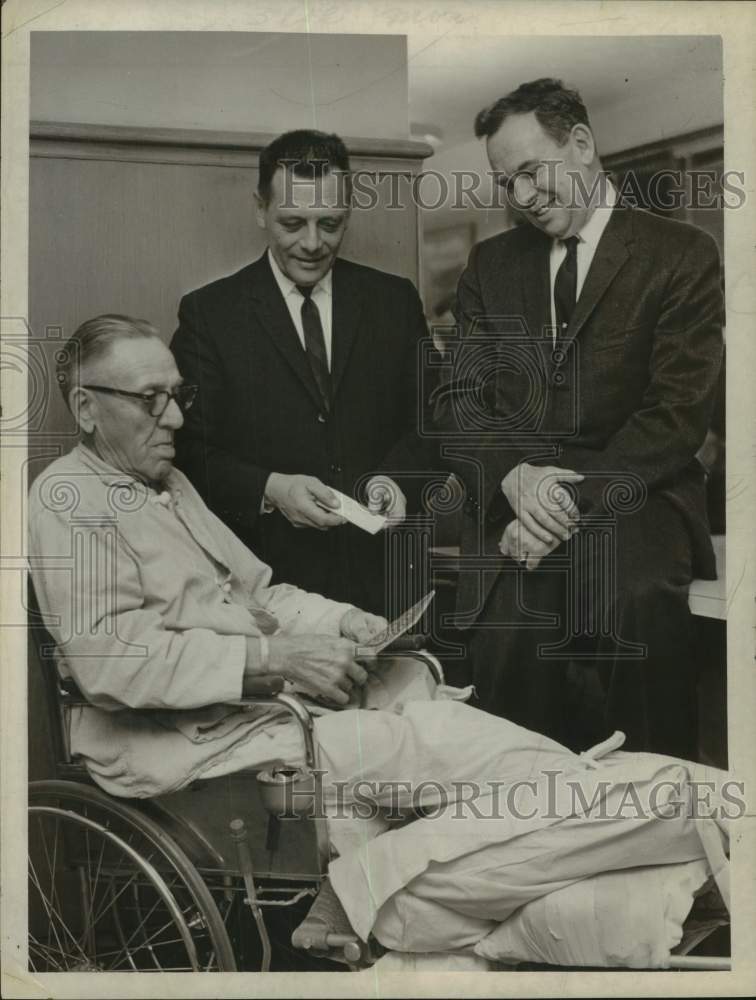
(130, 228)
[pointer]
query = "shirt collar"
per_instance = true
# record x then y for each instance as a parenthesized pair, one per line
(112, 476)
(593, 230)
(288, 287)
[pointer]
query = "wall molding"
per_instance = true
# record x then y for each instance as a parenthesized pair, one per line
(123, 137)
(693, 142)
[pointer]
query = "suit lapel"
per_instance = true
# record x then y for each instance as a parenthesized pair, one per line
(535, 283)
(347, 307)
(269, 311)
(611, 255)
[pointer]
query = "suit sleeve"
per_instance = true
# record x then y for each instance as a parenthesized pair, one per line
(494, 463)
(231, 487)
(414, 456)
(662, 436)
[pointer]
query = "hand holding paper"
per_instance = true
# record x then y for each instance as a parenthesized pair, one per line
(360, 626)
(304, 501)
(355, 513)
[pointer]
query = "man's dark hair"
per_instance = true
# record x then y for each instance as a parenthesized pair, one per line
(307, 153)
(92, 340)
(556, 107)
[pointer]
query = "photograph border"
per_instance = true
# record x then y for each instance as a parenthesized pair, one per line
(735, 22)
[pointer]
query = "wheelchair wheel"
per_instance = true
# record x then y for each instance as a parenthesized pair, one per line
(109, 890)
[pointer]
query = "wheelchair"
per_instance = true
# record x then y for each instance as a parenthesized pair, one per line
(190, 881)
(209, 878)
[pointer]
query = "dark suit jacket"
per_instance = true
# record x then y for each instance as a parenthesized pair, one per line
(626, 397)
(259, 411)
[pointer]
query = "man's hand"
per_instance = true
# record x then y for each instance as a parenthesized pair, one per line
(540, 503)
(301, 500)
(323, 664)
(385, 497)
(523, 546)
(361, 626)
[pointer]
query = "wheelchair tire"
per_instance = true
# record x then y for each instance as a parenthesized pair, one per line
(109, 890)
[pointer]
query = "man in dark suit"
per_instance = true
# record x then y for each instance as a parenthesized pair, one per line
(598, 335)
(306, 366)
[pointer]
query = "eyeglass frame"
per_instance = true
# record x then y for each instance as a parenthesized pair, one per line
(149, 397)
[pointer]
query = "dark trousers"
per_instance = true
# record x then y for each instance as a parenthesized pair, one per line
(597, 638)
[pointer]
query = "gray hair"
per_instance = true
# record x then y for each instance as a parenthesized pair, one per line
(93, 340)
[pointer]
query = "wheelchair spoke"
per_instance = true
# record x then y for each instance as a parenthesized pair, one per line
(52, 867)
(144, 918)
(141, 925)
(89, 922)
(45, 953)
(121, 938)
(148, 941)
(125, 951)
(108, 905)
(54, 917)
(131, 902)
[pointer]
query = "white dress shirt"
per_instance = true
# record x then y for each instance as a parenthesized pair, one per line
(322, 296)
(588, 239)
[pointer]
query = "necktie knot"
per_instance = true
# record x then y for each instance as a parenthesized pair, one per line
(306, 290)
(571, 245)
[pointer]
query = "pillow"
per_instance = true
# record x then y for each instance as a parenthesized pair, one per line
(630, 918)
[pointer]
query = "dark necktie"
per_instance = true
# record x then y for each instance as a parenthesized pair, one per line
(315, 344)
(565, 286)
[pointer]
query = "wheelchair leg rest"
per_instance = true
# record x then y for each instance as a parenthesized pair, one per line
(326, 932)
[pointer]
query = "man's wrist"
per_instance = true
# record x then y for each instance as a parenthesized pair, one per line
(270, 493)
(507, 482)
(258, 656)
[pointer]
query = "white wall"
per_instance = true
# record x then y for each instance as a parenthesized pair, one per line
(237, 81)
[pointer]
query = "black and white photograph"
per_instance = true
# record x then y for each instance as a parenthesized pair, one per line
(377, 496)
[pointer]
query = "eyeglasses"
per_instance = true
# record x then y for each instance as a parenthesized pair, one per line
(155, 402)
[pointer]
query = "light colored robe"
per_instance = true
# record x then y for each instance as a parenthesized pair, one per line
(151, 601)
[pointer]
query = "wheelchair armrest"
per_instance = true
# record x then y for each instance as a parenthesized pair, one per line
(275, 697)
(432, 662)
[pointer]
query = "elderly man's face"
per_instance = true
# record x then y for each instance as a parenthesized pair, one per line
(125, 434)
(305, 222)
(541, 174)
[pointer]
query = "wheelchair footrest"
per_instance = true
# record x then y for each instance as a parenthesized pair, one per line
(326, 931)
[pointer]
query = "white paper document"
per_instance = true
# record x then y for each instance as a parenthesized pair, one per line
(355, 513)
(403, 623)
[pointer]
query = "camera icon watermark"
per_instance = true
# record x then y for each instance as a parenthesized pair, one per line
(499, 381)
(30, 390)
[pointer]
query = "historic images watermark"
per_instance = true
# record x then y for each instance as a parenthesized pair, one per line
(664, 190)
(547, 795)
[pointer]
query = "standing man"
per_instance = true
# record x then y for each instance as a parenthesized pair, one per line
(306, 366)
(605, 322)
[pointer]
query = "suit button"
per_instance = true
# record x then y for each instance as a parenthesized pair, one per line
(336, 469)
(471, 507)
(321, 418)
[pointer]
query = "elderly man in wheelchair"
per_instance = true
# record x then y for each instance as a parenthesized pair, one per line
(269, 755)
